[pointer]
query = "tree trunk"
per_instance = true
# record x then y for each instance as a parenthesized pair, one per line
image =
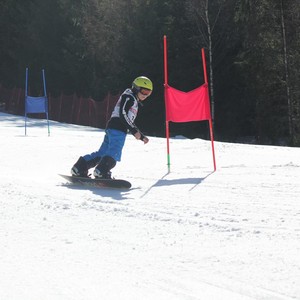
(287, 84)
(211, 84)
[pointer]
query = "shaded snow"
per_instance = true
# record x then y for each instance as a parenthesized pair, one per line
(190, 234)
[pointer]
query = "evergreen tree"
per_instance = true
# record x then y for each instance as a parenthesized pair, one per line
(98, 46)
(261, 57)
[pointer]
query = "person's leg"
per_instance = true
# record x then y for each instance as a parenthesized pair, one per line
(88, 161)
(116, 140)
(82, 166)
(99, 153)
(103, 168)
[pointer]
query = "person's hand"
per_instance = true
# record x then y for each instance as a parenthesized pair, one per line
(145, 140)
(138, 135)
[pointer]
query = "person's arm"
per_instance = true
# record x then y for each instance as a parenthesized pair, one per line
(127, 103)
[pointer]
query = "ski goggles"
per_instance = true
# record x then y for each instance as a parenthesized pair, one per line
(145, 92)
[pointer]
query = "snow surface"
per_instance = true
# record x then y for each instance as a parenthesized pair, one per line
(188, 234)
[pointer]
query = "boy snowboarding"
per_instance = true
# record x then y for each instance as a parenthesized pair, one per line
(121, 121)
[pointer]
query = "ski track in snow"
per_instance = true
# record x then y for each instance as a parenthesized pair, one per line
(188, 234)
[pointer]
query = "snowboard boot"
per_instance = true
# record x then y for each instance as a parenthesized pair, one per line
(102, 170)
(81, 167)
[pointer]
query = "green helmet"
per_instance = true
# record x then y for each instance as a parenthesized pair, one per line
(142, 82)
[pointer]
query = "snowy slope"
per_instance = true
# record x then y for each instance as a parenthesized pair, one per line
(190, 234)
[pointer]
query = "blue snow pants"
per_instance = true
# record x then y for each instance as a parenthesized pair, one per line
(112, 145)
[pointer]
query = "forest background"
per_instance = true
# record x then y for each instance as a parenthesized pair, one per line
(93, 47)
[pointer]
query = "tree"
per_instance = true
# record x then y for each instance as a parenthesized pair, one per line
(210, 23)
(261, 56)
(98, 46)
(13, 37)
(290, 22)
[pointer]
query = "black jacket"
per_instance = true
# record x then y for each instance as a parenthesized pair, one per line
(124, 114)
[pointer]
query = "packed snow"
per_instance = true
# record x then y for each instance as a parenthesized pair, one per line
(187, 234)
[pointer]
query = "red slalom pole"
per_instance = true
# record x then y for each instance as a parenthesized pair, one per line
(166, 85)
(210, 120)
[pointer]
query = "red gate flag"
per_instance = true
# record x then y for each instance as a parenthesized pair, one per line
(186, 107)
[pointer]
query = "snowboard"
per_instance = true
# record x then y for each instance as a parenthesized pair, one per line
(98, 183)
